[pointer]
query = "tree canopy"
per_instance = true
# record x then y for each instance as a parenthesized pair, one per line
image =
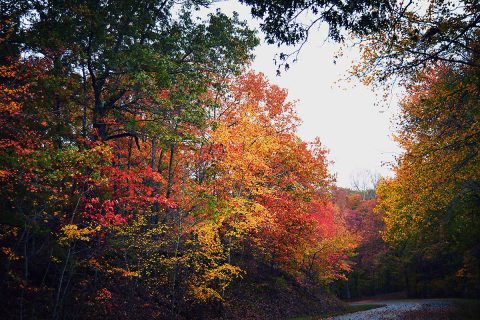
(145, 170)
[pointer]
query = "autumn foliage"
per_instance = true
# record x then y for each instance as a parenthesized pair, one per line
(431, 206)
(160, 203)
(147, 172)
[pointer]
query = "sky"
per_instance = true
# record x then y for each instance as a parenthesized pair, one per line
(344, 115)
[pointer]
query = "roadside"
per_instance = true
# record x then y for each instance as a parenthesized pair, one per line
(420, 309)
(407, 309)
(349, 308)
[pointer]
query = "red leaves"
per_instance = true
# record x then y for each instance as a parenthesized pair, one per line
(192, 193)
(103, 295)
(103, 213)
(263, 161)
(166, 202)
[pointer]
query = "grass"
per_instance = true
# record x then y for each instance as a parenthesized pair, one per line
(464, 309)
(349, 308)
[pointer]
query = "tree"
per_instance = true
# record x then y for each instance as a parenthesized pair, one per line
(429, 205)
(125, 51)
(286, 22)
(396, 39)
(419, 36)
(114, 76)
(375, 266)
(365, 182)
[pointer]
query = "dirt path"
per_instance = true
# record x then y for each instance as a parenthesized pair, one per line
(403, 309)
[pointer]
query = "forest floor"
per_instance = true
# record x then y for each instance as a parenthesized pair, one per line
(421, 309)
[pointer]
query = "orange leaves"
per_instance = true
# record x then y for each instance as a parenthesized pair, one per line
(11, 88)
(278, 185)
(204, 183)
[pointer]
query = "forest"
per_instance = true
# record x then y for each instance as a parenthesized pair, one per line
(148, 172)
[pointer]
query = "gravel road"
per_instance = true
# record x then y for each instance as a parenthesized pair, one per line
(424, 309)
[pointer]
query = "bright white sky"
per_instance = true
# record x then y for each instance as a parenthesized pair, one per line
(343, 115)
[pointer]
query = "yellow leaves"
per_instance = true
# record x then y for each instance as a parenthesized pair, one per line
(203, 293)
(209, 239)
(207, 259)
(11, 256)
(439, 128)
(204, 285)
(329, 256)
(397, 210)
(94, 263)
(245, 215)
(72, 232)
(124, 273)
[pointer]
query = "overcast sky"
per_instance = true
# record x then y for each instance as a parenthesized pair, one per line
(343, 115)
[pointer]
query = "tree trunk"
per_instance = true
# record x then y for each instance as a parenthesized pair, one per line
(154, 153)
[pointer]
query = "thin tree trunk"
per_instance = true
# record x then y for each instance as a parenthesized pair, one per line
(154, 152)
(160, 162)
(170, 172)
(175, 267)
(85, 100)
(156, 206)
(60, 282)
(26, 271)
(129, 159)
